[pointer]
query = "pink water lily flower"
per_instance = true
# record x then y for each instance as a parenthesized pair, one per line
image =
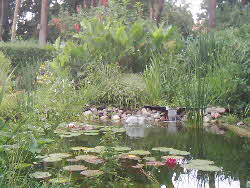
(171, 162)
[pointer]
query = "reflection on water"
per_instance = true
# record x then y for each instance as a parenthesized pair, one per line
(143, 131)
(230, 153)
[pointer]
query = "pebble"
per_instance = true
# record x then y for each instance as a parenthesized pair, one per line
(115, 118)
(240, 123)
(215, 115)
(104, 118)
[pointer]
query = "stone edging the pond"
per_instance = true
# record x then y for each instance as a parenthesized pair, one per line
(146, 115)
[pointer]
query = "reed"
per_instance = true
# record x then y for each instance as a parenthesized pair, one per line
(196, 88)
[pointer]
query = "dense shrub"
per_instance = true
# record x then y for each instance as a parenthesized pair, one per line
(25, 59)
(25, 52)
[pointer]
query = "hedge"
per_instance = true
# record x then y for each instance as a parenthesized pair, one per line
(23, 53)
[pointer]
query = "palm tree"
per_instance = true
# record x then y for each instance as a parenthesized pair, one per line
(15, 18)
(43, 34)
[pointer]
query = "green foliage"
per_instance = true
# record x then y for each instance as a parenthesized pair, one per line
(25, 52)
(178, 16)
(106, 85)
(247, 121)
(216, 63)
(152, 76)
(232, 15)
(127, 42)
(230, 119)
(5, 75)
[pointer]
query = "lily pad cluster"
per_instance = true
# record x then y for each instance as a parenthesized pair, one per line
(90, 159)
(171, 151)
(202, 165)
(56, 157)
(75, 129)
(137, 159)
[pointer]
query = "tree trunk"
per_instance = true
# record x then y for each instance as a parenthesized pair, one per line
(94, 3)
(212, 13)
(43, 34)
(156, 8)
(160, 5)
(152, 11)
(3, 8)
(15, 18)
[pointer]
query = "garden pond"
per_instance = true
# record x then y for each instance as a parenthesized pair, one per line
(169, 155)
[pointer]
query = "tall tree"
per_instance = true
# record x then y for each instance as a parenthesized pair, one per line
(3, 16)
(15, 18)
(43, 33)
(212, 13)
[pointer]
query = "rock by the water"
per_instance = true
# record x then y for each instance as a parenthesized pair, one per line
(104, 118)
(136, 120)
(87, 113)
(215, 115)
(116, 118)
(157, 116)
(207, 118)
(220, 110)
(240, 123)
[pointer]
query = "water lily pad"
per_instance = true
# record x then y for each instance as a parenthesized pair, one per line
(97, 149)
(95, 161)
(91, 173)
(75, 134)
(138, 166)
(86, 157)
(106, 129)
(90, 159)
(71, 134)
(74, 168)
(52, 159)
(172, 157)
(208, 168)
(91, 134)
(72, 160)
(140, 152)
(60, 155)
(149, 158)
(66, 136)
(60, 131)
(178, 152)
(201, 162)
(91, 131)
(41, 156)
(79, 148)
(121, 149)
(154, 163)
(162, 149)
(129, 156)
(40, 175)
(59, 180)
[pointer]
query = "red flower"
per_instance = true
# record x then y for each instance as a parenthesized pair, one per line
(171, 163)
(105, 2)
(78, 9)
(77, 27)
